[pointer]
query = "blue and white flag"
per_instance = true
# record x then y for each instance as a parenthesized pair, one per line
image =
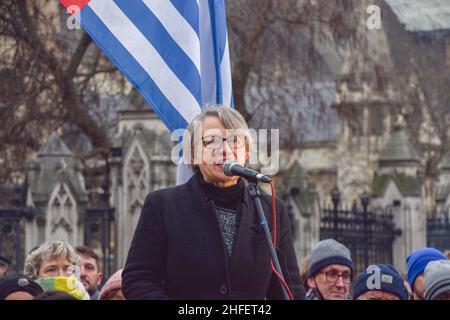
(175, 52)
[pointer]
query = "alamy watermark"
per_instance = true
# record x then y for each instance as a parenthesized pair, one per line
(376, 278)
(73, 21)
(373, 22)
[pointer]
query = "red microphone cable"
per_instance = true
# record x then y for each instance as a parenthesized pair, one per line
(274, 240)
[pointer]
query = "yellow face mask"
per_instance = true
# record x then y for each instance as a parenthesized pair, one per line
(70, 285)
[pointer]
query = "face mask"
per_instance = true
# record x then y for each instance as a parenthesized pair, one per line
(70, 285)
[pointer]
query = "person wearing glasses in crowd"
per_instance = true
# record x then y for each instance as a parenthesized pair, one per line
(203, 240)
(330, 271)
(55, 266)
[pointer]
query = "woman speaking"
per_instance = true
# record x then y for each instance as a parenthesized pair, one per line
(203, 239)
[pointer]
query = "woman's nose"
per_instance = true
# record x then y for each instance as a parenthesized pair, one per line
(226, 149)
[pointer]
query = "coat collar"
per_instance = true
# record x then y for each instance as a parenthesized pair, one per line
(194, 184)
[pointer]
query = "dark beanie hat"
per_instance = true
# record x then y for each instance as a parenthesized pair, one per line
(328, 252)
(380, 277)
(18, 282)
(4, 261)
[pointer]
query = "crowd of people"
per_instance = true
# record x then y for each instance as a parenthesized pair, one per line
(204, 240)
(57, 271)
(328, 274)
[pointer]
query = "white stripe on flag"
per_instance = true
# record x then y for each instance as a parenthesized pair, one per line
(208, 74)
(178, 28)
(225, 71)
(147, 56)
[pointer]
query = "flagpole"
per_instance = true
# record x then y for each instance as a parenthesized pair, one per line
(219, 98)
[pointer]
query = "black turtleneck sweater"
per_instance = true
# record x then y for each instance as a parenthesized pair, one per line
(228, 204)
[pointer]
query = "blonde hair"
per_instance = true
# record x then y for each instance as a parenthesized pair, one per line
(229, 117)
(55, 249)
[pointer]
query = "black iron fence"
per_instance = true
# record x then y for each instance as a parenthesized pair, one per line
(369, 234)
(438, 232)
(98, 227)
(98, 230)
(11, 228)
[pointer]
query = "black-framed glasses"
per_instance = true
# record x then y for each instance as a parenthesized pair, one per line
(333, 276)
(215, 142)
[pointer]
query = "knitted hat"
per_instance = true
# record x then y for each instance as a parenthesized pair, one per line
(328, 252)
(70, 285)
(418, 260)
(437, 279)
(380, 277)
(113, 283)
(4, 261)
(18, 282)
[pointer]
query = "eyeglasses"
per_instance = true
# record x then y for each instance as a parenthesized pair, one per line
(59, 271)
(215, 142)
(332, 276)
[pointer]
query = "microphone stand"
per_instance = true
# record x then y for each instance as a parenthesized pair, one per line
(256, 196)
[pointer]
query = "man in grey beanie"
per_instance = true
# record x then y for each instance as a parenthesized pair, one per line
(437, 280)
(330, 271)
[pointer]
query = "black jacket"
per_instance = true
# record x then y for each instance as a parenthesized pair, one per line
(177, 250)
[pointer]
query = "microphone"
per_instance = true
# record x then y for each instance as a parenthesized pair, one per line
(231, 168)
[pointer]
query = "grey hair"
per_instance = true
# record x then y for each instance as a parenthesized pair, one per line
(229, 117)
(56, 248)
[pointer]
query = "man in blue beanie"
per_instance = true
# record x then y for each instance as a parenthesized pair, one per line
(417, 262)
(379, 282)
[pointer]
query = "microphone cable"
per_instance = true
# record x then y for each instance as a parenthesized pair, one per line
(274, 241)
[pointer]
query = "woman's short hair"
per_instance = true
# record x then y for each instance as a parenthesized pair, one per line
(229, 117)
(55, 248)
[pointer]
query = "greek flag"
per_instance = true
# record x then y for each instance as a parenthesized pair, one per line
(175, 52)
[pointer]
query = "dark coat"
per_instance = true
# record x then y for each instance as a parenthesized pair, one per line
(177, 250)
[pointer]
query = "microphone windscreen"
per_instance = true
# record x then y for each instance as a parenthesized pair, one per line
(227, 167)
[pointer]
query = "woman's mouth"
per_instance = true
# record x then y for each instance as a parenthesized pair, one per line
(218, 167)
